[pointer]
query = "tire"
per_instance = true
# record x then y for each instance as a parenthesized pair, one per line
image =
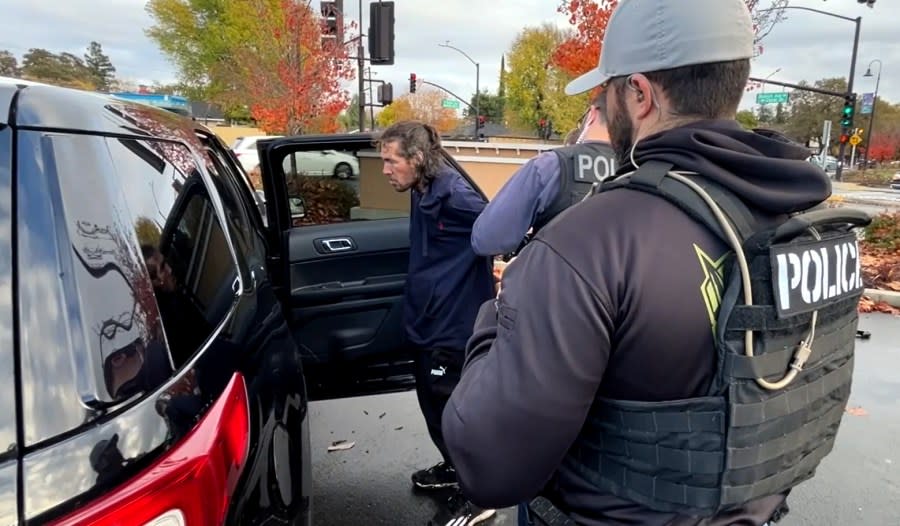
(343, 171)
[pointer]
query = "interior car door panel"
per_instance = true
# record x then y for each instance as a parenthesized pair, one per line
(344, 271)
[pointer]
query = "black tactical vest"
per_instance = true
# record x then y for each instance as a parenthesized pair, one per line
(785, 337)
(580, 166)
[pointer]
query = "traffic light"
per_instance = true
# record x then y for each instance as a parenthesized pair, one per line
(381, 33)
(844, 138)
(386, 94)
(847, 112)
(481, 120)
(870, 3)
(412, 82)
(333, 32)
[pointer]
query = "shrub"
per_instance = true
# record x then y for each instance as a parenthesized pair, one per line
(326, 200)
(884, 232)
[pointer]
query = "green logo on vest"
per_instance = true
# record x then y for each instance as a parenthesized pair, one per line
(713, 283)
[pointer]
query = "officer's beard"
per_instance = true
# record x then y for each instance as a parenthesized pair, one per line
(621, 131)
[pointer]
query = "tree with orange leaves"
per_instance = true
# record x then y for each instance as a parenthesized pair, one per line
(291, 81)
(579, 53)
(424, 105)
(266, 55)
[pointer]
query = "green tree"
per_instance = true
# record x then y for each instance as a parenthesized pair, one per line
(349, 119)
(747, 119)
(265, 54)
(490, 105)
(534, 87)
(9, 65)
(764, 114)
(100, 67)
(193, 34)
(64, 69)
(809, 110)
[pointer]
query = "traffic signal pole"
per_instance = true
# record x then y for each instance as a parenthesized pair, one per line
(843, 147)
(361, 64)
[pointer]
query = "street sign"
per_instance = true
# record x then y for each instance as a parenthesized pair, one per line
(855, 140)
(450, 103)
(772, 98)
(868, 101)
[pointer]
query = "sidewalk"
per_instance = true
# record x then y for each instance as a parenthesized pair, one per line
(887, 296)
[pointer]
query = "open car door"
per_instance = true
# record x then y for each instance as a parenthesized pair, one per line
(339, 242)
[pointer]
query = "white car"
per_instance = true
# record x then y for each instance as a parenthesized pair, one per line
(245, 150)
(328, 163)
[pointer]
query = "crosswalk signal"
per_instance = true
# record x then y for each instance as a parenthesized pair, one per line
(847, 112)
(412, 82)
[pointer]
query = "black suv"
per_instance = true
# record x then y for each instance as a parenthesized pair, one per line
(161, 331)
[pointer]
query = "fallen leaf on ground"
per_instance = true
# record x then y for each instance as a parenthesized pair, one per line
(340, 445)
(857, 411)
(866, 304)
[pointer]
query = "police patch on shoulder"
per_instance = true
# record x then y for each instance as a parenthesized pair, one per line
(809, 275)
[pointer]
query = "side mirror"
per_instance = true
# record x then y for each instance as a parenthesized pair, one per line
(298, 207)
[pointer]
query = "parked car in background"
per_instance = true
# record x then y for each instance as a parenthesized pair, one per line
(244, 149)
(162, 328)
(329, 163)
(830, 164)
(895, 182)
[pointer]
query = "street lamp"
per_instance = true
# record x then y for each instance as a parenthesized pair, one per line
(872, 113)
(477, 77)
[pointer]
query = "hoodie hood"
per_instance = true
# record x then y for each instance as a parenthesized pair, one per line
(767, 170)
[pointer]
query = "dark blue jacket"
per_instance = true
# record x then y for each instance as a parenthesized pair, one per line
(447, 282)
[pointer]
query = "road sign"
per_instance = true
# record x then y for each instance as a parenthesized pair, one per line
(450, 103)
(868, 101)
(855, 140)
(772, 98)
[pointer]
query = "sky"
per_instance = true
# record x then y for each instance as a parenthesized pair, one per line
(805, 46)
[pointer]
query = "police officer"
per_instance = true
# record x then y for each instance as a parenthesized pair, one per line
(545, 186)
(597, 368)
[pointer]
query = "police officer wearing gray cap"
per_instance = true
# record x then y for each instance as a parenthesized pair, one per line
(593, 379)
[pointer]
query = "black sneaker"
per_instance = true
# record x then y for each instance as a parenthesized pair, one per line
(460, 512)
(441, 475)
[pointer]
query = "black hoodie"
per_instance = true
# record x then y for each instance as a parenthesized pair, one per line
(615, 298)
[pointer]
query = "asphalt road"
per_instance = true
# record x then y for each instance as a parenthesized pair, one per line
(859, 483)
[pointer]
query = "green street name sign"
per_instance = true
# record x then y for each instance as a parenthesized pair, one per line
(772, 98)
(450, 103)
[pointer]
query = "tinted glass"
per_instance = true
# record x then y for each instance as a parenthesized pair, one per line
(7, 385)
(190, 265)
(118, 320)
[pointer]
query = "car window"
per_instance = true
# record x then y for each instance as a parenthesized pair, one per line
(337, 185)
(234, 190)
(7, 384)
(183, 245)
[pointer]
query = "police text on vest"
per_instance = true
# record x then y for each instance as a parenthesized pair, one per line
(809, 275)
(594, 168)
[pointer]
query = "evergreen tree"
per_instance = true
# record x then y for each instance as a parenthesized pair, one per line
(101, 69)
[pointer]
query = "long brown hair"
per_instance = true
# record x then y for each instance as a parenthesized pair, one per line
(419, 143)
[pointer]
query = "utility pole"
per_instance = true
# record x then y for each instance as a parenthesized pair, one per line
(843, 147)
(360, 63)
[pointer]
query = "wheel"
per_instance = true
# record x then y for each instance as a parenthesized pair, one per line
(343, 171)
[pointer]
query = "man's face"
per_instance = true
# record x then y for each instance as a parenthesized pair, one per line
(401, 173)
(619, 122)
(161, 273)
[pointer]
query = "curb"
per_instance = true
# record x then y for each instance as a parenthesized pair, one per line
(890, 297)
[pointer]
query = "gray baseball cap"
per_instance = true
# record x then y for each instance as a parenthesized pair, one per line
(651, 35)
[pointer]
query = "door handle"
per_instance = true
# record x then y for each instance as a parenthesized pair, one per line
(337, 244)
